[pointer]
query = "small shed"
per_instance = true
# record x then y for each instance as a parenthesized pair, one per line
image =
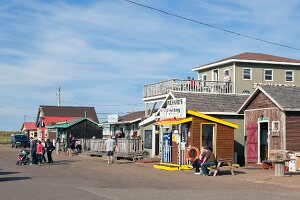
(82, 128)
(272, 122)
(198, 130)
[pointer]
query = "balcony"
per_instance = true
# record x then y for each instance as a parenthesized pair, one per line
(164, 87)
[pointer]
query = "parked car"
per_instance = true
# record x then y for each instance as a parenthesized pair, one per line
(19, 140)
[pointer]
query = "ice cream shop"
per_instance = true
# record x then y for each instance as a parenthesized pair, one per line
(181, 128)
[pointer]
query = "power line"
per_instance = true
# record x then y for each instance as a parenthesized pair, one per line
(212, 26)
(106, 105)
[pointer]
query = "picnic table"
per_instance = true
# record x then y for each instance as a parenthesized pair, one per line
(222, 164)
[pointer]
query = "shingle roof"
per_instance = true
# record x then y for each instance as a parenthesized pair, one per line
(287, 97)
(132, 116)
(70, 111)
(212, 103)
(255, 56)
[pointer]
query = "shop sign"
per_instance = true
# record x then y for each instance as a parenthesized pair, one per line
(112, 118)
(176, 108)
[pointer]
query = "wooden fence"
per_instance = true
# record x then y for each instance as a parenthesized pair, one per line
(123, 145)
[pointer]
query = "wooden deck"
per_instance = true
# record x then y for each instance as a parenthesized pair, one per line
(164, 87)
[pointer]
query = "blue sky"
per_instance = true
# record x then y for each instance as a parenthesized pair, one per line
(102, 52)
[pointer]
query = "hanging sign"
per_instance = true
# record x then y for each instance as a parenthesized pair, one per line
(112, 118)
(176, 108)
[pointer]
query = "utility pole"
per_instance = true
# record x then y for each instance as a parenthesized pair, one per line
(58, 96)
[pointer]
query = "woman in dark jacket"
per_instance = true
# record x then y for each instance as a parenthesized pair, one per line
(49, 148)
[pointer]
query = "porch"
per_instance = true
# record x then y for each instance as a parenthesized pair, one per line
(164, 87)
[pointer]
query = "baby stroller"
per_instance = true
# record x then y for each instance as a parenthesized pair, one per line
(23, 158)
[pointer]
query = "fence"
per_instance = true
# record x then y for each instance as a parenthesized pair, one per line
(167, 155)
(164, 87)
(123, 145)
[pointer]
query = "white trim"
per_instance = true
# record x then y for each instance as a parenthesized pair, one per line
(153, 141)
(258, 139)
(234, 78)
(284, 131)
(251, 97)
(293, 72)
(265, 75)
(222, 113)
(256, 109)
(204, 75)
(213, 75)
(154, 98)
(149, 120)
(244, 76)
(243, 61)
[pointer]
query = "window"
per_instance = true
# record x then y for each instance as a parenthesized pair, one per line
(226, 75)
(275, 126)
(247, 73)
(289, 75)
(268, 75)
(148, 139)
(226, 72)
(204, 77)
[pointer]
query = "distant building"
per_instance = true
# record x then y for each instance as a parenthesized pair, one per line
(50, 115)
(30, 129)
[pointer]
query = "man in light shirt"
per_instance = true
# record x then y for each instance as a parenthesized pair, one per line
(110, 145)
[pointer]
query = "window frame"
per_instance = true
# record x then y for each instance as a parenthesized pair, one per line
(250, 74)
(227, 69)
(272, 76)
(292, 76)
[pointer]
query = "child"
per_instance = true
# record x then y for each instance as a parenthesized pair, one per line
(39, 152)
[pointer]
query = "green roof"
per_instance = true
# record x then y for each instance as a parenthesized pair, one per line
(68, 124)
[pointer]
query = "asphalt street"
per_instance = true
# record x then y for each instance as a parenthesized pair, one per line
(83, 177)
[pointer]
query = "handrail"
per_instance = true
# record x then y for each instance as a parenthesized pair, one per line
(164, 87)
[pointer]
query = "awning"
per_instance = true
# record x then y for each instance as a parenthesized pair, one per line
(174, 121)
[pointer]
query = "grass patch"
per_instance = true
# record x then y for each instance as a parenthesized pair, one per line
(5, 137)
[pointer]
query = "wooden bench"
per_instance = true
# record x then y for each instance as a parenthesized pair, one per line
(220, 164)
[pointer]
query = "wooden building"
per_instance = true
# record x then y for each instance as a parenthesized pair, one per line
(198, 130)
(50, 115)
(272, 122)
(82, 128)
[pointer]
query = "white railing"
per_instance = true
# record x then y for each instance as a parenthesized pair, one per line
(166, 154)
(123, 145)
(164, 87)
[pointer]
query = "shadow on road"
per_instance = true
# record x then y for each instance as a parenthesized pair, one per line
(4, 173)
(13, 179)
(63, 162)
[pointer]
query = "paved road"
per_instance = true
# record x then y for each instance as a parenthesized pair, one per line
(80, 177)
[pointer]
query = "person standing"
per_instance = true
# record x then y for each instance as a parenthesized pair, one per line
(33, 151)
(49, 148)
(110, 145)
(208, 160)
(44, 151)
(39, 152)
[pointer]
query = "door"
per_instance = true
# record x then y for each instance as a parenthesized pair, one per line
(156, 144)
(216, 75)
(263, 142)
(208, 138)
(251, 133)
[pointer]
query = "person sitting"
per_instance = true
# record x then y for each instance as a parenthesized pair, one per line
(208, 160)
(198, 161)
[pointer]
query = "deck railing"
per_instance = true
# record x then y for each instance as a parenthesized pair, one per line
(164, 87)
(123, 145)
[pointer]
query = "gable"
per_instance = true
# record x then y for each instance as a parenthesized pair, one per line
(260, 101)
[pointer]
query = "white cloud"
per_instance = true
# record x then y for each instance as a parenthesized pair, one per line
(102, 53)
